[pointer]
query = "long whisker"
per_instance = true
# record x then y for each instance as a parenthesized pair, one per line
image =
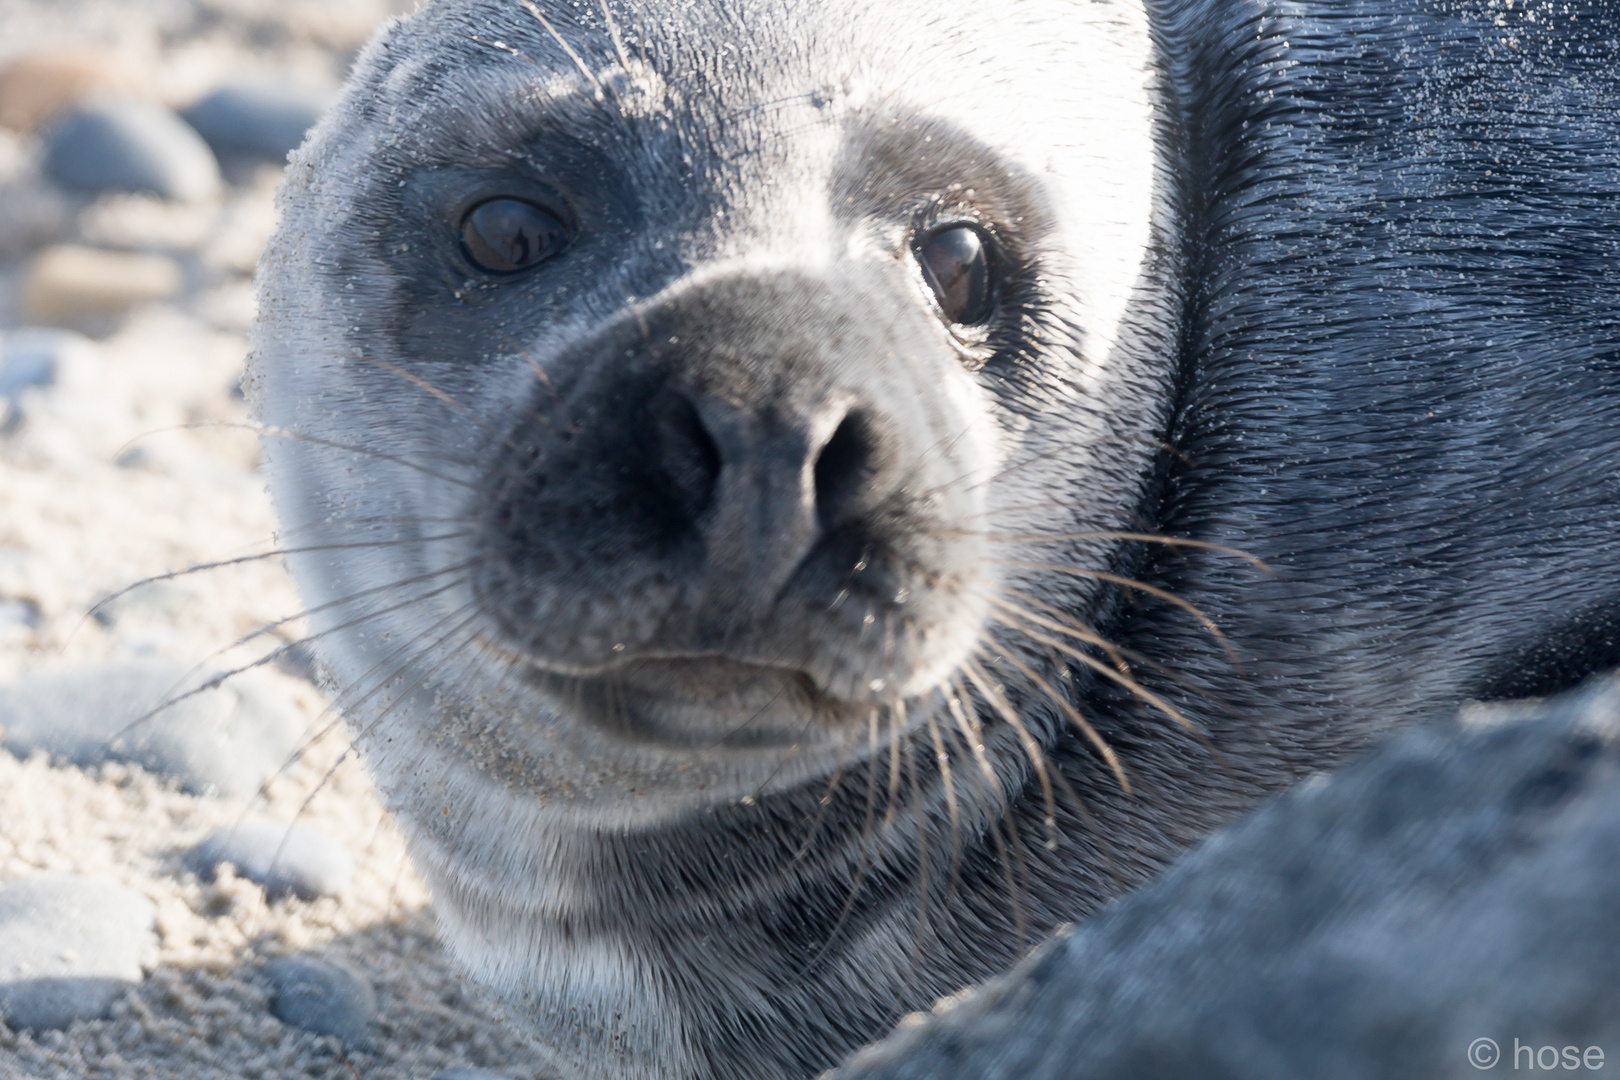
(1037, 757)
(972, 734)
(1075, 718)
(1139, 586)
(1093, 663)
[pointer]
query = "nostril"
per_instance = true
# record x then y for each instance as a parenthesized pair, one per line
(687, 452)
(844, 469)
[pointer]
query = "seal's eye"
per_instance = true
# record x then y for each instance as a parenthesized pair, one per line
(504, 236)
(957, 265)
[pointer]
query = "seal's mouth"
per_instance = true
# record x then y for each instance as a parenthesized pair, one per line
(697, 700)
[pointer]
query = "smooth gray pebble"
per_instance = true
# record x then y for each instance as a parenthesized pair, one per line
(323, 997)
(126, 144)
(225, 740)
(282, 857)
(69, 946)
(36, 357)
(263, 121)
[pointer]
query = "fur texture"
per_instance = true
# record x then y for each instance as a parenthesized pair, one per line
(1330, 284)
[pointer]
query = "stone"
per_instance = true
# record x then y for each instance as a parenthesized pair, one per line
(37, 358)
(467, 1074)
(126, 144)
(69, 948)
(227, 740)
(71, 284)
(259, 120)
(322, 996)
(1447, 905)
(37, 86)
(33, 211)
(283, 857)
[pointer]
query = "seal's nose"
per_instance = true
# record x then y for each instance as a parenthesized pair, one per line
(763, 481)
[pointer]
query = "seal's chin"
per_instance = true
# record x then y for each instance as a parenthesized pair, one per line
(701, 702)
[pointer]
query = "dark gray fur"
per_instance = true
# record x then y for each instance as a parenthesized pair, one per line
(1372, 339)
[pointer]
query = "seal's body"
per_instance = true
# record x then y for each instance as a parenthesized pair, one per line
(769, 480)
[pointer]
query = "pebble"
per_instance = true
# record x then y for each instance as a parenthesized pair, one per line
(283, 857)
(323, 997)
(69, 947)
(263, 121)
(68, 283)
(224, 741)
(37, 358)
(467, 1074)
(36, 86)
(126, 144)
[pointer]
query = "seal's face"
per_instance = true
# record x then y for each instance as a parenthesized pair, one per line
(690, 414)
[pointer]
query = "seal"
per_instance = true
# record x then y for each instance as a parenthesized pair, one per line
(800, 498)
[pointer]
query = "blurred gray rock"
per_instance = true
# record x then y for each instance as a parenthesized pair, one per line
(226, 740)
(467, 1074)
(69, 946)
(1449, 905)
(126, 144)
(323, 997)
(261, 121)
(283, 857)
(37, 358)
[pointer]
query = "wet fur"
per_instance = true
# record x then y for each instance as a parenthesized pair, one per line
(1307, 326)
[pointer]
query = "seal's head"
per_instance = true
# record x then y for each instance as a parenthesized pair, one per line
(657, 391)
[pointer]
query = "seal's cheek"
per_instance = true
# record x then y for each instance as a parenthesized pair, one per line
(755, 471)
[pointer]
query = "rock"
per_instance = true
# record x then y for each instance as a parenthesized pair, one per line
(72, 284)
(37, 358)
(283, 857)
(260, 120)
(36, 86)
(323, 997)
(1448, 904)
(467, 1074)
(125, 144)
(224, 741)
(33, 211)
(69, 947)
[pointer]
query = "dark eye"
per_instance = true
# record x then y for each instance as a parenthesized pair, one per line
(504, 236)
(957, 266)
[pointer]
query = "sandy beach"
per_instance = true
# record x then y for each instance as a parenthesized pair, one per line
(135, 459)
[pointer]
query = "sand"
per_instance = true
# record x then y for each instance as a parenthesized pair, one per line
(138, 463)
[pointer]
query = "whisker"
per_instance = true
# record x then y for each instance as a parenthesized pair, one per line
(1075, 718)
(1139, 586)
(943, 759)
(1037, 757)
(1121, 678)
(590, 76)
(972, 734)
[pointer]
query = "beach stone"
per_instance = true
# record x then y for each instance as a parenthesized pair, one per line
(70, 284)
(322, 996)
(1448, 905)
(259, 120)
(126, 144)
(36, 86)
(33, 211)
(283, 857)
(467, 1074)
(37, 358)
(69, 947)
(225, 740)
